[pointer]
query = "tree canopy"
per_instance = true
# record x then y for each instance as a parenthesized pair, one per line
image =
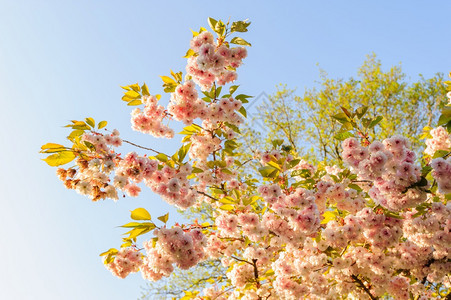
(367, 217)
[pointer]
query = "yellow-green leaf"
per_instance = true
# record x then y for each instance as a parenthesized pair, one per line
(164, 218)
(329, 216)
(189, 53)
(90, 122)
(111, 250)
(227, 207)
(140, 214)
(167, 79)
(52, 148)
(132, 95)
(134, 103)
(102, 124)
(145, 90)
(60, 158)
(240, 41)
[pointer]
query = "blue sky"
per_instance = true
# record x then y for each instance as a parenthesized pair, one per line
(63, 60)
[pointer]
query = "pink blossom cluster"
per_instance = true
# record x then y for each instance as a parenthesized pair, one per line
(149, 120)
(202, 145)
(431, 230)
(339, 194)
(390, 165)
(225, 110)
(173, 246)
(212, 62)
(92, 176)
(441, 140)
(441, 172)
(127, 260)
(101, 141)
(131, 170)
(185, 105)
(173, 186)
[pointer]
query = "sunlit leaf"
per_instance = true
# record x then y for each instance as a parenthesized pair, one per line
(140, 214)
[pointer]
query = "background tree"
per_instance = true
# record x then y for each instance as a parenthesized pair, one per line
(306, 122)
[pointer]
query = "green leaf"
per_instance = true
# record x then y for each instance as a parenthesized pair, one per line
(233, 88)
(361, 111)
(183, 151)
(425, 170)
(240, 41)
(341, 117)
(60, 158)
(102, 124)
(277, 142)
(267, 171)
(197, 170)
(242, 110)
(375, 121)
(164, 218)
(293, 163)
(240, 26)
(161, 157)
(219, 28)
(440, 153)
(341, 136)
(347, 113)
(140, 214)
(355, 187)
(445, 117)
(91, 122)
(212, 22)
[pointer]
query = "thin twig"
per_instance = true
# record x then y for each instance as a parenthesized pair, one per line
(242, 260)
(205, 194)
(142, 147)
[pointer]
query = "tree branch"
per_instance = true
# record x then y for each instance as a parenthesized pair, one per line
(363, 286)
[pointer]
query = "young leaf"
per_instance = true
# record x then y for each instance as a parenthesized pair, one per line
(164, 218)
(134, 103)
(212, 22)
(361, 111)
(167, 79)
(90, 122)
(140, 214)
(232, 89)
(240, 41)
(145, 90)
(375, 122)
(60, 158)
(102, 124)
(189, 53)
(240, 26)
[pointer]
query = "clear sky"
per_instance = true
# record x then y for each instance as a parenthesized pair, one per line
(63, 60)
